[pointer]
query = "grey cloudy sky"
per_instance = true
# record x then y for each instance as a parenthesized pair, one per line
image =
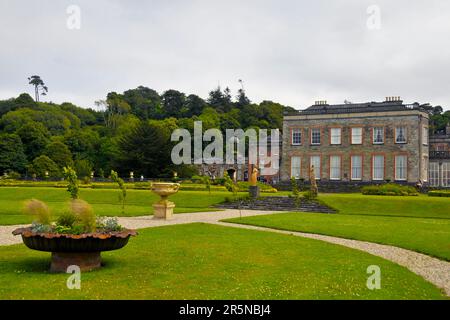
(293, 52)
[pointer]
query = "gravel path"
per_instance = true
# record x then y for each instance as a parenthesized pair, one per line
(432, 269)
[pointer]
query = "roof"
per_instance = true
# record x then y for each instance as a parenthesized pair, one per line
(358, 108)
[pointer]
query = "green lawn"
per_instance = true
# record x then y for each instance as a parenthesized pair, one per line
(104, 201)
(201, 261)
(429, 236)
(421, 206)
(418, 223)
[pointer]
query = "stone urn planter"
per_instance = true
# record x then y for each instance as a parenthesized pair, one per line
(163, 209)
(82, 250)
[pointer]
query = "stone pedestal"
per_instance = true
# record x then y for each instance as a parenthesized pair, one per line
(163, 210)
(254, 192)
(87, 261)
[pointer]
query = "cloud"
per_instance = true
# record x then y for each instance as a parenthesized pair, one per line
(293, 52)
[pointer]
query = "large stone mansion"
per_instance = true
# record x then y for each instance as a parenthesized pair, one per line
(364, 143)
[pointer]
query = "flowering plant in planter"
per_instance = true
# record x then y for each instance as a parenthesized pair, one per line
(76, 237)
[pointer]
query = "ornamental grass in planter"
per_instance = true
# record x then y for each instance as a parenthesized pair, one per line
(76, 237)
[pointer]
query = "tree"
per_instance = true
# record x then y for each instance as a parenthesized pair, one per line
(242, 99)
(35, 137)
(24, 101)
(221, 101)
(145, 149)
(193, 106)
(72, 182)
(123, 189)
(83, 168)
(145, 103)
(39, 86)
(12, 155)
(59, 153)
(173, 102)
(43, 164)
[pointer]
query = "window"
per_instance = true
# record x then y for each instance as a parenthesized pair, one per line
(378, 168)
(356, 135)
(378, 135)
(335, 136)
(446, 174)
(315, 136)
(401, 165)
(315, 161)
(296, 163)
(296, 137)
(400, 135)
(424, 169)
(434, 174)
(356, 167)
(425, 135)
(335, 167)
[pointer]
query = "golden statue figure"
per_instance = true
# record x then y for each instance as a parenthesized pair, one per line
(254, 177)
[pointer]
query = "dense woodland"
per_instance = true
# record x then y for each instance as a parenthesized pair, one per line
(131, 132)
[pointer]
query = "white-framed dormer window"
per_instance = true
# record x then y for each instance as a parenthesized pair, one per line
(356, 135)
(378, 135)
(335, 136)
(401, 167)
(425, 135)
(296, 137)
(315, 136)
(335, 167)
(378, 168)
(296, 164)
(400, 135)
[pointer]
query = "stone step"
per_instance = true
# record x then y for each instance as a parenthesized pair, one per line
(278, 204)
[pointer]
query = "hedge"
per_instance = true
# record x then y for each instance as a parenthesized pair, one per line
(439, 193)
(390, 189)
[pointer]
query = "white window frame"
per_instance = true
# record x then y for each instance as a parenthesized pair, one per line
(374, 135)
(335, 136)
(317, 169)
(401, 168)
(296, 131)
(375, 167)
(359, 168)
(434, 174)
(335, 167)
(353, 135)
(295, 174)
(405, 134)
(312, 136)
(446, 174)
(425, 135)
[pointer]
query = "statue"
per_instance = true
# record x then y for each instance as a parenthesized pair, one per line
(312, 178)
(254, 177)
(254, 188)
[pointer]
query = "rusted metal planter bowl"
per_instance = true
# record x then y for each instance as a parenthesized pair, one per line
(83, 250)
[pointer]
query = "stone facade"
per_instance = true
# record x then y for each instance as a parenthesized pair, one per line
(389, 116)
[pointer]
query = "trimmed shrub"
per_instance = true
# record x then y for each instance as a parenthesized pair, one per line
(439, 193)
(390, 189)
